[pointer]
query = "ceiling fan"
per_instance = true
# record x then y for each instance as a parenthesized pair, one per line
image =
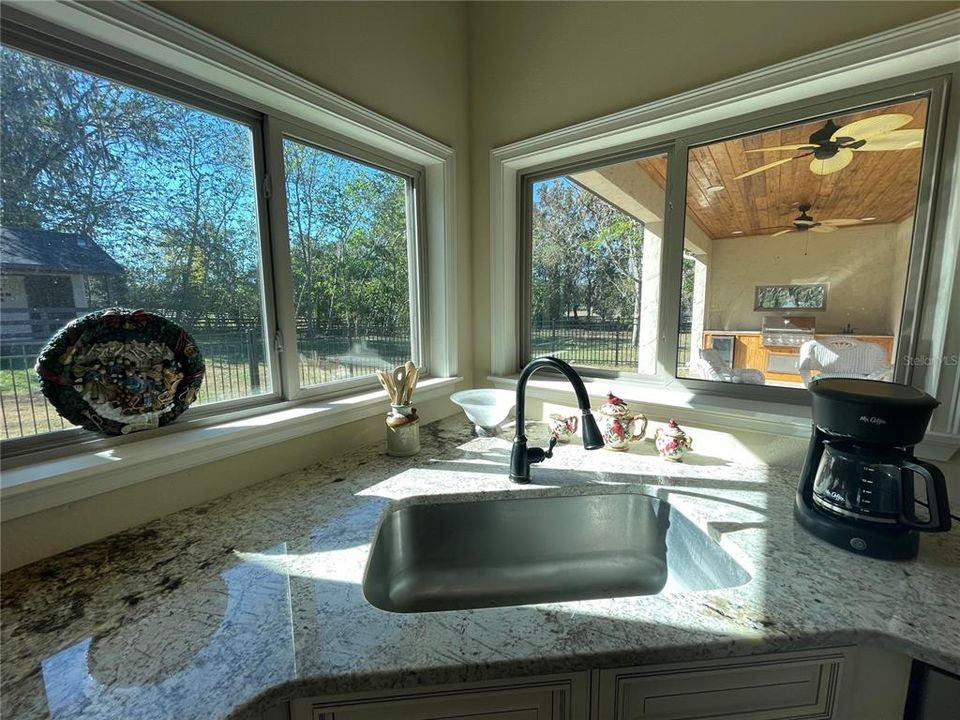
(832, 147)
(804, 222)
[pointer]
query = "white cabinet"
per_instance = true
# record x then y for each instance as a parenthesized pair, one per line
(777, 687)
(844, 683)
(550, 698)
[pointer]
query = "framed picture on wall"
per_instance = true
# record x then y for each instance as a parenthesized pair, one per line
(810, 297)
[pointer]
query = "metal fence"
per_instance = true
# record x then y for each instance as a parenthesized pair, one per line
(607, 345)
(236, 363)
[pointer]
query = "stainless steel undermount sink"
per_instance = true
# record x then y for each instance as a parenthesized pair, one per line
(437, 554)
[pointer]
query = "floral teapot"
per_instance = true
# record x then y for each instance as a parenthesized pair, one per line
(672, 443)
(618, 425)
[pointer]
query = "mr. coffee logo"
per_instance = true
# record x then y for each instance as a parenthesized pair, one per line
(873, 420)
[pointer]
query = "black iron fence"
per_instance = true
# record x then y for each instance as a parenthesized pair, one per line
(236, 363)
(608, 345)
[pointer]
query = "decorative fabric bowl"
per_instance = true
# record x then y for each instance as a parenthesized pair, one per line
(116, 371)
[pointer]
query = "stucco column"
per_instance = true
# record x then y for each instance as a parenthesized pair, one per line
(650, 298)
(698, 311)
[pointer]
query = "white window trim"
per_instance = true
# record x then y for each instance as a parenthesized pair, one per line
(156, 41)
(884, 57)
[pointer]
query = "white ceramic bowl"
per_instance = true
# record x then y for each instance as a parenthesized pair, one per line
(486, 408)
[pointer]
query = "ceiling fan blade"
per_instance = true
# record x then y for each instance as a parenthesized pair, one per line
(823, 229)
(784, 232)
(835, 164)
(873, 126)
(763, 168)
(784, 147)
(896, 140)
(841, 222)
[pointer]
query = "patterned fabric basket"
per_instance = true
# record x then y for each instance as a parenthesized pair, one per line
(117, 371)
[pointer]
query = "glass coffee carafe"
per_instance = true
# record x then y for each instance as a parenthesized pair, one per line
(878, 485)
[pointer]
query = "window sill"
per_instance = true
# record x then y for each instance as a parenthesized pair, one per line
(709, 411)
(41, 485)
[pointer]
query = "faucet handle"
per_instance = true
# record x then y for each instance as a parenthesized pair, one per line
(535, 454)
(553, 443)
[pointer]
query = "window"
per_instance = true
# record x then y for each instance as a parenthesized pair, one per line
(113, 196)
(350, 260)
(791, 246)
(596, 235)
(123, 188)
(828, 201)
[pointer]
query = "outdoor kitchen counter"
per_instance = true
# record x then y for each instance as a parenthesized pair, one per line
(229, 607)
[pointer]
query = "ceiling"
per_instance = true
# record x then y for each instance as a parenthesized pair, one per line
(881, 185)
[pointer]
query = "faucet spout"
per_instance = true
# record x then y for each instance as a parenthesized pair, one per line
(520, 456)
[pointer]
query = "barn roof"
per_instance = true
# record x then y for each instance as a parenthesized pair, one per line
(44, 251)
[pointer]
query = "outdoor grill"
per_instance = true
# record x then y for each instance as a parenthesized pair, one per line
(787, 331)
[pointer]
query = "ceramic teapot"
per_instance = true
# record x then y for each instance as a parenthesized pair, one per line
(672, 442)
(618, 425)
(563, 427)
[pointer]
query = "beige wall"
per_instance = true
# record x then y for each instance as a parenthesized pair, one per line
(407, 61)
(859, 263)
(536, 67)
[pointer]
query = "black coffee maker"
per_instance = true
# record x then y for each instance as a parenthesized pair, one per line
(858, 486)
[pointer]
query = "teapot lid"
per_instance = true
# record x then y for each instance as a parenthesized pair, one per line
(614, 406)
(673, 429)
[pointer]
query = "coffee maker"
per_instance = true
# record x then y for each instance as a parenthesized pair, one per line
(860, 476)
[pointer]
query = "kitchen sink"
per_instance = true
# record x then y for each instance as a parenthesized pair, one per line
(447, 554)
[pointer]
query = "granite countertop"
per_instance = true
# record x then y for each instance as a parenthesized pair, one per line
(226, 608)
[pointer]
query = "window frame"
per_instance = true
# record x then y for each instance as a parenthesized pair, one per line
(525, 249)
(276, 131)
(89, 61)
(148, 50)
(933, 83)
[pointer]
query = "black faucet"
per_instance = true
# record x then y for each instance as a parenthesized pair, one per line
(521, 458)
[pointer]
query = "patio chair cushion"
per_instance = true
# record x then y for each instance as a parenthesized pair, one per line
(843, 357)
(712, 366)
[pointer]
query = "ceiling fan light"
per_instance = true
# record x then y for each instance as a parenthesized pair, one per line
(737, 232)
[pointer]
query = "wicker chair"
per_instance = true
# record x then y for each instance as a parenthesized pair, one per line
(843, 357)
(712, 366)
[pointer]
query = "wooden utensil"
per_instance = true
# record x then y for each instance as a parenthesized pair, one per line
(387, 382)
(413, 374)
(399, 377)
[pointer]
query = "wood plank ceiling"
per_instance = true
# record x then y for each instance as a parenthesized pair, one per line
(880, 185)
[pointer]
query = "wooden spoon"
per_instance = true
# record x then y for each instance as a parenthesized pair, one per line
(413, 374)
(399, 377)
(387, 382)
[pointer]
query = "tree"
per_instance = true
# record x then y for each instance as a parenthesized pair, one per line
(586, 253)
(348, 242)
(63, 139)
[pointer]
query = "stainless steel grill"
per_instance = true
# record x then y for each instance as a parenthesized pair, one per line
(787, 330)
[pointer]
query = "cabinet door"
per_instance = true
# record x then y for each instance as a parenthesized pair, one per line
(774, 688)
(551, 699)
(488, 705)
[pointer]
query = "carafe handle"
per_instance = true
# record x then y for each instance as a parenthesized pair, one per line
(936, 497)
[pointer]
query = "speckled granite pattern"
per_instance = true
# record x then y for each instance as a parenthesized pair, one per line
(227, 608)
